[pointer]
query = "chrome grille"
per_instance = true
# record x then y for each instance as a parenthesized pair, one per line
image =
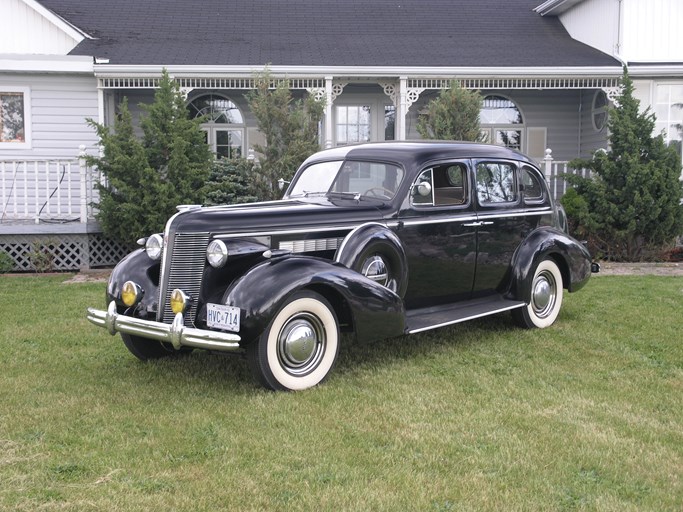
(187, 253)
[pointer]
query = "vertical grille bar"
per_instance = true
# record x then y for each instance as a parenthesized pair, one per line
(187, 252)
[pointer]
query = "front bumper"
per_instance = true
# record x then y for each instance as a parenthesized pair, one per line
(176, 333)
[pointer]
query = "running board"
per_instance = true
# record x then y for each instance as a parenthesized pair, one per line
(418, 320)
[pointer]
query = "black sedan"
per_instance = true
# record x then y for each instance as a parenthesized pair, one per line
(379, 240)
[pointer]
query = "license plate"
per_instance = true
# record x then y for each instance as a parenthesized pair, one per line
(223, 317)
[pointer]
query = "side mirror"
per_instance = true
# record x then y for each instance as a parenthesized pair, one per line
(281, 183)
(424, 188)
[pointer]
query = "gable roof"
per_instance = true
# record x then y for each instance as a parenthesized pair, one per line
(386, 33)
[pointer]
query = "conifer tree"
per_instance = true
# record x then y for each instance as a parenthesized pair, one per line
(453, 115)
(146, 179)
(630, 208)
(290, 128)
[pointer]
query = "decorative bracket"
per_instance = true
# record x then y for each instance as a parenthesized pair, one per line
(390, 90)
(612, 94)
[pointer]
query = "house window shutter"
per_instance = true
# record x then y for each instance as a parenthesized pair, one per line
(536, 143)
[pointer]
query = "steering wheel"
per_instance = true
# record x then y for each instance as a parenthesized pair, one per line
(380, 192)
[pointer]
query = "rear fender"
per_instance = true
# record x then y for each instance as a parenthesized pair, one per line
(571, 256)
(376, 311)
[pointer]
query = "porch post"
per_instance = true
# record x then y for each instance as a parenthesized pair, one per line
(329, 98)
(84, 183)
(402, 108)
(548, 163)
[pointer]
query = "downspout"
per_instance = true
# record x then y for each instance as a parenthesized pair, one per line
(617, 49)
(580, 122)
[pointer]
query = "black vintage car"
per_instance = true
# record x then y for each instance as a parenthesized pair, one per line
(379, 240)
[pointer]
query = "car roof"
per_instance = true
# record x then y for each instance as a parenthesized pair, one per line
(416, 153)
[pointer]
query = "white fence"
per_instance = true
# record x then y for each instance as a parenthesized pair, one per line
(46, 191)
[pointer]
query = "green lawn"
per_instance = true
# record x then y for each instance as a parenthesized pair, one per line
(586, 415)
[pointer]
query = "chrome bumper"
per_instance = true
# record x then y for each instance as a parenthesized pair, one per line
(177, 334)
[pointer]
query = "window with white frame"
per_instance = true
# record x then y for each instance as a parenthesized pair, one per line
(599, 110)
(223, 124)
(15, 129)
(669, 112)
(501, 122)
(353, 124)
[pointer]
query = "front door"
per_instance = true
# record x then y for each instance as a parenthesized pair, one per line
(439, 233)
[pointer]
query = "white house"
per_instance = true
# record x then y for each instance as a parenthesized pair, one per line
(547, 72)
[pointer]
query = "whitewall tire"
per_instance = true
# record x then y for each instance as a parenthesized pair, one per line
(299, 347)
(545, 300)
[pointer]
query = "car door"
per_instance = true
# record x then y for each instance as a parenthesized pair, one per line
(438, 230)
(505, 219)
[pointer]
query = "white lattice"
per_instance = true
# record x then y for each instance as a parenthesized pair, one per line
(61, 251)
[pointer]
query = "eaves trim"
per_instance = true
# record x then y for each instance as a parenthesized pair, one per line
(65, 26)
(65, 64)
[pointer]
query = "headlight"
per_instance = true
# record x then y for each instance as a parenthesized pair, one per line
(217, 253)
(154, 246)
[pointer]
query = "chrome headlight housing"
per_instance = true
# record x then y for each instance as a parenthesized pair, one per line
(217, 253)
(154, 246)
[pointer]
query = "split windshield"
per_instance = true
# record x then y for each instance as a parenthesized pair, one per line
(356, 179)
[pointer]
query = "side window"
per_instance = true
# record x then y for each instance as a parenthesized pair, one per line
(447, 186)
(531, 183)
(496, 183)
(15, 125)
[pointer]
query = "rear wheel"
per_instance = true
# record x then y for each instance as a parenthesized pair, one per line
(299, 347)
(145, 349)
(545, 300)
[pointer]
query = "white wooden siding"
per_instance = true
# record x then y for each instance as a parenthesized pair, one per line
(595, 23)
(60, 105)
(652, 30)
(649, 31)
(23, 30)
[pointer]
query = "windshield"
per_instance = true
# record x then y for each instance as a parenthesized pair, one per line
(358, 179)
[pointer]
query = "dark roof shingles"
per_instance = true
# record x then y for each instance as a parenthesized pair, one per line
(477, 33)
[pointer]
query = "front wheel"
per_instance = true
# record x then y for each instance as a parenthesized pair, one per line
(546, 297)
(145, 349)
(299, 347)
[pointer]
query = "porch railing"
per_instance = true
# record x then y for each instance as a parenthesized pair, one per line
(46, 190)
(555, 170)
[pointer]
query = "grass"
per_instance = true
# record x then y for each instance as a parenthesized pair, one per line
(586, 415)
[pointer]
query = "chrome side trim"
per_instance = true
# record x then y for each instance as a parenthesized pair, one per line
(285, 232)
(442, 220)
(176, 333)
(459, 320)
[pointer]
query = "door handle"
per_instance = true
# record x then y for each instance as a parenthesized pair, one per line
(487, 223)
(473, 224)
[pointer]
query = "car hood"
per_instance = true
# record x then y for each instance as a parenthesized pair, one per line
(277, 216)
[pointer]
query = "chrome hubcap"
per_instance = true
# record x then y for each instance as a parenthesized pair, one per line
(376, 269)
(301, 344)
(543, 294)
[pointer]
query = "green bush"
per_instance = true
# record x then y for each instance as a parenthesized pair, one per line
(630, 209)
(6, 263)
(230, 182)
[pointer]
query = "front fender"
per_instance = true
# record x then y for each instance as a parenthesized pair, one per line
(139, 268)
(572, 257)
(376, 311)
